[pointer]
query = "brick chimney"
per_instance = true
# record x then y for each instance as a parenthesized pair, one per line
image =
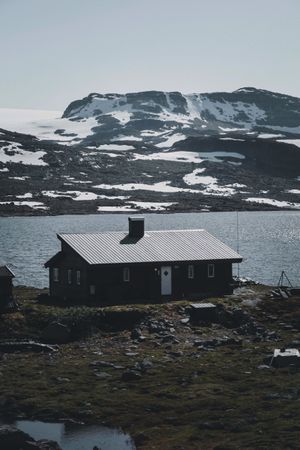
(136, 226)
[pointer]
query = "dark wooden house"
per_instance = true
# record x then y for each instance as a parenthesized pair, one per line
(140, 266)
(6, 294)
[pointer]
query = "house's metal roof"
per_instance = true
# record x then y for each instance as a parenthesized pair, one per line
(154, 246)
(6, 272)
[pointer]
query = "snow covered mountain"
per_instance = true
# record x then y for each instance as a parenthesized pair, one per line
(154, 151)
(163, 118)
(160, 119)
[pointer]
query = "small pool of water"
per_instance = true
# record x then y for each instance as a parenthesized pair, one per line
(78, 437)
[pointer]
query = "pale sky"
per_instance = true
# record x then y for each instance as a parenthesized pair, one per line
(56, 51)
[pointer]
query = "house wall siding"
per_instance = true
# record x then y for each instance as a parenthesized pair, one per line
(144, 284)
(104, 284)
(5, 288)
(62, 288)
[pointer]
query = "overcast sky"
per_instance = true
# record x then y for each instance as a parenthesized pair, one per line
(56, 51)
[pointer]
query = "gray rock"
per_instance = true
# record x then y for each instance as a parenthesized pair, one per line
(146, 364)
(101, 364)
(176, 354)
(185, 320)
(103, 375)
(131, 375)
(11, 438)
(168, 338)
(211, 426)
(136, 333)
(56, 333)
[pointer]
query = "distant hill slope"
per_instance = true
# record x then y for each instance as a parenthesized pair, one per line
(162, 118)
(153, 151)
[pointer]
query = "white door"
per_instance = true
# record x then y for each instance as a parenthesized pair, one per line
(166, 280)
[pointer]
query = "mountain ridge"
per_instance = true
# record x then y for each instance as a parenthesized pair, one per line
(156, 151)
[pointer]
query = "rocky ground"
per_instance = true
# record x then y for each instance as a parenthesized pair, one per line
(80, 180)
(169, 382)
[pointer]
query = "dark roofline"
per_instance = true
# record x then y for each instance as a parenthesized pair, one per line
(164, 263)
(11, 274)
(60, 254)
(53, 259)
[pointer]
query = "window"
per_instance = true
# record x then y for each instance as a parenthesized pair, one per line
(126, 274)
(190, 271)
(211, 270)
(55, 274)
(92, 289)
(78, 277)
(69, 276)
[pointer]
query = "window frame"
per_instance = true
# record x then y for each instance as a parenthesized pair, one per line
(126, 274)
(191, 271)
(69, 276)
(78, 277)
(56, 274)
(211, 271)
(92, 289)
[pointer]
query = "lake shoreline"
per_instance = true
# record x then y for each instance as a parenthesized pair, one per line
(14, 212)
(269, 241)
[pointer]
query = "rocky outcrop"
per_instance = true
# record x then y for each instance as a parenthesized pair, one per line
(11, 438)
(56, 333)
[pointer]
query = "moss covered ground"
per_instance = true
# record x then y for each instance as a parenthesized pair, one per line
(185, 396)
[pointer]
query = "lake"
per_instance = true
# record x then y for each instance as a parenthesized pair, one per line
(268, 241)
(77, 437)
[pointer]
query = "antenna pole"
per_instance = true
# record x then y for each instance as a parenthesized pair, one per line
(238, 240)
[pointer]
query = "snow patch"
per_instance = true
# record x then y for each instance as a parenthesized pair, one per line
(19, 155)
(157, 206)
(211, 184)
(128, 138)
(33, 205)
(231, 139)
(122, 116)
(191, 157)
(27, 195)
(116, 147)
(151, 133)
(179, 156)
(75, 195)
(272, 202)
(125, 208)
(233, 129)
(193, 178)
(163, 186)
(171, 140)
(290, 141)
(269, 135)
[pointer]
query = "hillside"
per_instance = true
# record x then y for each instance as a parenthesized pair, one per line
(154, 151)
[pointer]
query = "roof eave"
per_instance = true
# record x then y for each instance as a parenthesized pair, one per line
(231, 260)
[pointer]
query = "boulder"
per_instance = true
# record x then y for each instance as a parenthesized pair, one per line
(56, 333)
(48, 445)
(13, 439)
(136, 333)
(131, 375)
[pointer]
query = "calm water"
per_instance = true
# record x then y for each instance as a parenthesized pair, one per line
(269, 241)
(78, 437)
